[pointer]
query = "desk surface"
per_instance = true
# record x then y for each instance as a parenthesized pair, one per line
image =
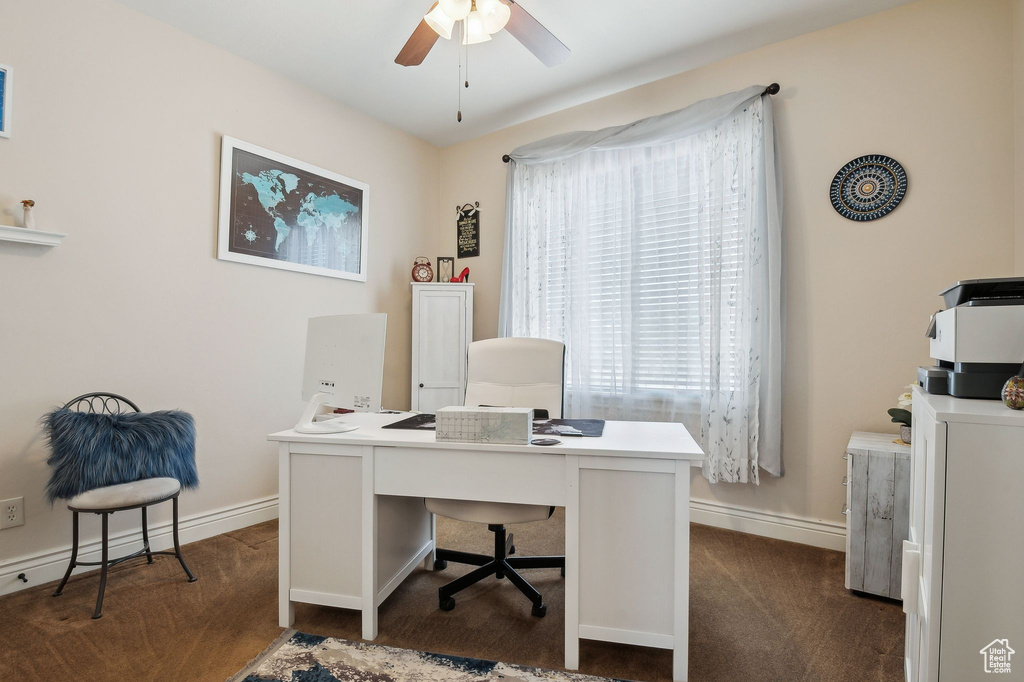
(656, 440)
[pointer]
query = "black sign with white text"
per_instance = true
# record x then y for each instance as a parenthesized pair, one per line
(467, 227)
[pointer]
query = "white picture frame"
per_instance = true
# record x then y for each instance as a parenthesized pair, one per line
(237, 212)
(6, 97)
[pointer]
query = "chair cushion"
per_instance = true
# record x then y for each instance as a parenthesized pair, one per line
(132, 494)
(94, 450)
(488, 512)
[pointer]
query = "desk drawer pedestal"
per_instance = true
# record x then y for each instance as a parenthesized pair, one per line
(631, 553)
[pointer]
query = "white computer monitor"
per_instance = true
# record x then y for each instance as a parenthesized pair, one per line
(344, 368)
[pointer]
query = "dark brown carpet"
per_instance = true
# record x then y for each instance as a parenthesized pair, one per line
(760, 609)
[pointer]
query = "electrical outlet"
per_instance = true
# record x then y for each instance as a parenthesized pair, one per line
(13, 512)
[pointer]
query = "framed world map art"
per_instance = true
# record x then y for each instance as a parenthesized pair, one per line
(283, 213)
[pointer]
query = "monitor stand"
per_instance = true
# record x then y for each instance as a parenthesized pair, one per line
(308, 425)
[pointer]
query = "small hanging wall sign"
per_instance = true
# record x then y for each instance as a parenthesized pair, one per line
(467, 226)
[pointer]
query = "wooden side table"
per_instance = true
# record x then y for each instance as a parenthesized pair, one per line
(877, 512)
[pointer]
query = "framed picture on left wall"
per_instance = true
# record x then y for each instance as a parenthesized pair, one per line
(6, 79)
(283, 213)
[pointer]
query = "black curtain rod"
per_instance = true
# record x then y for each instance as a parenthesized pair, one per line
(772, 89)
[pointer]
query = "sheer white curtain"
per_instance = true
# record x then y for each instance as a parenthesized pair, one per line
(652, 250)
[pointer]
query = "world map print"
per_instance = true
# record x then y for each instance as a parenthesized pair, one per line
(289, 214)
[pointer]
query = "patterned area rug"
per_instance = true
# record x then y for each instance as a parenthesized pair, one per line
(298, 657)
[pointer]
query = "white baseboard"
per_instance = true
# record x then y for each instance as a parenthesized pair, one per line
(47, 566)
(814, 532)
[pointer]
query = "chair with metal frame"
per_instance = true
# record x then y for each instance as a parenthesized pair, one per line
(107, 500)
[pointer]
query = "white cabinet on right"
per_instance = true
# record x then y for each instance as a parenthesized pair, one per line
(963, 566)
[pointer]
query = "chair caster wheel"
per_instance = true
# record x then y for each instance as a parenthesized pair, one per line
(440, 564)
(446, 604)
(539, 611)
(512, 550)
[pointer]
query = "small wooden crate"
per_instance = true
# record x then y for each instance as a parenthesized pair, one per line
(877, 512)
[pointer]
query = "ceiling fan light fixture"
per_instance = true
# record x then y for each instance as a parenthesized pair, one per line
(482, 37)
(475, 25)
(440, 22)
(485, 7)
(496, 19)
(456, 9)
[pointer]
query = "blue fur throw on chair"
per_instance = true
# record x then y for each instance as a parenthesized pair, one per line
(95, 450)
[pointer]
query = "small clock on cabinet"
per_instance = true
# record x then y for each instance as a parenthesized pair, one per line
(421, 270)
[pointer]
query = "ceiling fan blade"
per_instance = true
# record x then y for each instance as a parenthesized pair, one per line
(532, 34)
(418, 45)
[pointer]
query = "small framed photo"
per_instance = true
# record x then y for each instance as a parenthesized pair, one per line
(6, 78)
(445, 268)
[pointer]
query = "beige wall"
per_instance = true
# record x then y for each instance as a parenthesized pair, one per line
(116, 136)
(928, 84)
(117, 125)
(1018, 125)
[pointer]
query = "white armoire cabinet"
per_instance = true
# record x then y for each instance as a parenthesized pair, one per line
(963, 589)
(442, 329)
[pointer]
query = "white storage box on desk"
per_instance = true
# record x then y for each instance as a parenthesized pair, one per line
(877, 512)
(484, 425)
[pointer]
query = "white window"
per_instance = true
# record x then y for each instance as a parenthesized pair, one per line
(650, 262)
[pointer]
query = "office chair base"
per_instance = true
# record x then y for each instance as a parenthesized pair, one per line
(501, 565)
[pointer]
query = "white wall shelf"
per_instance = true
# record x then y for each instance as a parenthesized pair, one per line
(21, 234)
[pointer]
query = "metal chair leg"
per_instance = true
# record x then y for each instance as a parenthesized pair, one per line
(74, 554)
(103, 570)
(145, 537)
(177, 546)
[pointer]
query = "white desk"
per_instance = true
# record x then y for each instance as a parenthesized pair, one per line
(353, 524)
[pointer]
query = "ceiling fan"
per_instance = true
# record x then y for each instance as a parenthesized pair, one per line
(481, 19)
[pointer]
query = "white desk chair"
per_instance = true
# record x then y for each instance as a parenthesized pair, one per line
(505, 372)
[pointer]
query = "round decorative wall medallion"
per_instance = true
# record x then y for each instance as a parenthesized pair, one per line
(868, 187)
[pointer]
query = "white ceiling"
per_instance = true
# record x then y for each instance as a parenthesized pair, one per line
(346, 49)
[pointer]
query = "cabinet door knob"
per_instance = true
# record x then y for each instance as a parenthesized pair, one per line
(421, 385)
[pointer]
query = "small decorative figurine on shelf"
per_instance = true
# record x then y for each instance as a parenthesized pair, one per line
(421, 270)
(902, 415)
(1013, 391)
(463, 276)
(30, 220)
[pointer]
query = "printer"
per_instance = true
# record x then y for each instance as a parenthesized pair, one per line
(978, 340)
